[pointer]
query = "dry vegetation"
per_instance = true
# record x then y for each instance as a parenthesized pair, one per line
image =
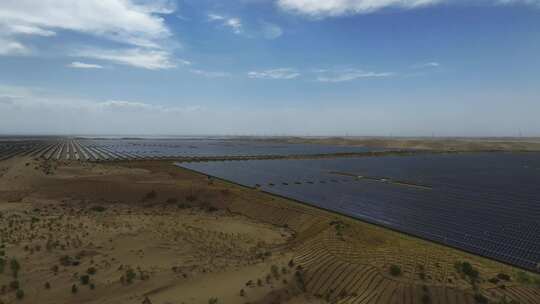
(432, 144)
(148, 232)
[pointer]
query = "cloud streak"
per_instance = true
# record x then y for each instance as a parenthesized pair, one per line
(82, 65)
(335, 8)
(280, 73)
(234, 23)
(137, 57)
(334, 76)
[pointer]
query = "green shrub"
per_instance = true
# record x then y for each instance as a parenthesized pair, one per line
(395, 270)
(130, 276)
(15, 267)
(91, 271)
(85, 279)
(19, 294)
(98, 208)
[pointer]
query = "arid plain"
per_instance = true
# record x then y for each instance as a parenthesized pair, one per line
(150, 232)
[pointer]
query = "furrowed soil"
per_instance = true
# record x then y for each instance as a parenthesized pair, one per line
(150, 232)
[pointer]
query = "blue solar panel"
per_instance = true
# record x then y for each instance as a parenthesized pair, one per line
(485, 203)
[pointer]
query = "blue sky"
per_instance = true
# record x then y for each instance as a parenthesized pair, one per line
(271, 67)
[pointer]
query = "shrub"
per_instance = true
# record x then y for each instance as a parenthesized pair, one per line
(47, 285)
(19, 294)
(503, 276)
(2, 265)
(395, 270)
(85, 279)
(426, 299)
(74, 288)
(15, 267)
(212, 301)
(92, 286)
(98, 208)
(91, 271)
(130, 275)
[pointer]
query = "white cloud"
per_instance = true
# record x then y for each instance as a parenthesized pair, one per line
(11, 47)
(234, 23)
(271, 31)
(215, 17)
(349, 75)
(137, 57)
(82, 65)
(133, 22)
(432, 64)
(210, 74)
(334, 8)
(281, 73)
(323, 8)
(136, 23)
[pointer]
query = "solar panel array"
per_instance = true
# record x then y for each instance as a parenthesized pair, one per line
(127, 149)
(485, 203)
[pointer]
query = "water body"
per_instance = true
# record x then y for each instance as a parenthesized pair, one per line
(484, 203)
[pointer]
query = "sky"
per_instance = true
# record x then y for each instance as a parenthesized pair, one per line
(270, 67)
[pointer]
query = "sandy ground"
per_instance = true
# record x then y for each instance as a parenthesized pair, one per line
(149, 232)
(425, 143)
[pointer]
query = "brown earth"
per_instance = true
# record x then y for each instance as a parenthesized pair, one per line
(149, 232)
(438, 144)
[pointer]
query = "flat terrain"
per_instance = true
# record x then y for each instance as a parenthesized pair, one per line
(425, 143)
(149, 232)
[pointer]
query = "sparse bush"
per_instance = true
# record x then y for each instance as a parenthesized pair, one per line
(92, 286)
(503, 276)
(212, 301)
(47, 285)
(19, 294)
(130, 275)
(2, 265)
(85, 279)
(15, 267)
(91, 271)
(395, 270)
(242, 293)
(98, 208)
(74, 288)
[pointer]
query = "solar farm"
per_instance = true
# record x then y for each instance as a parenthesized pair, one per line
(483, 203)
(137, 149)
(487, 204)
